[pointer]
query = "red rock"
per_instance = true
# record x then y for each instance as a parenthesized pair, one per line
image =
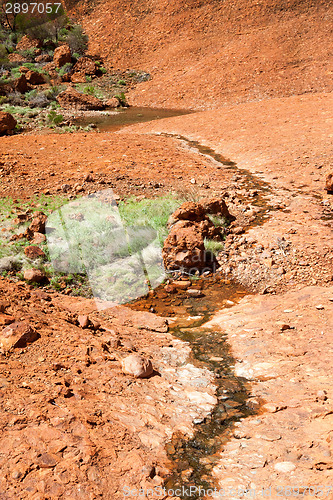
(113, 103)
(38, 238)
(5, 319)
(28, 43)
(21, 84)
(137, 366)
(35, 78)
(78, 77)
(182, 285)
(86, 66)
(43, 58)
(38, 223)
(17, 335)
(329, 184)
(33, 252)
(189, 211)
(184, 247)
(47, 460)
(62, 55)
(7, 123)
(34, 275)
(215, 206)
(83, 321)
(72, 99)
(16, 58)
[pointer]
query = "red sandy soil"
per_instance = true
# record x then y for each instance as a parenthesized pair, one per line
(67, 431)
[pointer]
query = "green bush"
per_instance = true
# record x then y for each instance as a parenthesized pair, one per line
(77, 40)
(89, 89)
(54, 118)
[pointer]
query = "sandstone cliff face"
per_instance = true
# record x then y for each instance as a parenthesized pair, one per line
(204, 54)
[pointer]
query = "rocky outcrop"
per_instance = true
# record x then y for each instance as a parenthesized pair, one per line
(21, 84)
(72, 99)
(35, 78)
(184, 247)
(62, 55)
(7, 123)
(189, 225)
(28, 43)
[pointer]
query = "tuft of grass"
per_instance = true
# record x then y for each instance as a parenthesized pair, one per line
(213, 246)
(153, 213)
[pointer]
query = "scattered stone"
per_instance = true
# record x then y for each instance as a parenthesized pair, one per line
(321, 395)
(284, 466)
(7, 263)
(137, 366)
(7, 123)
(62, 55)
(43, 58)
(17, 335)
(183, 285)
(195, 292)
(170, 289)
(320, 307)
(112, 103)
(33, 252)
(38, 223)
(83, 321)
(34, 275)
(47, 460)
(284, 327)
(216, 206)
(38, 238)
(184, 247)
(89, 178)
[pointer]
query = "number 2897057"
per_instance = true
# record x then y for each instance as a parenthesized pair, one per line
(32, 7)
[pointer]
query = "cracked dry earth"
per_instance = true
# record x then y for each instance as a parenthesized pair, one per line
(73, 425)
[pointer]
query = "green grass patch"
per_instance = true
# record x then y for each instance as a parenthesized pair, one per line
(153, 213)
(213, 246)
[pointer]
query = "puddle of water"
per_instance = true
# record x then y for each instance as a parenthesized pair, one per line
(122, 117)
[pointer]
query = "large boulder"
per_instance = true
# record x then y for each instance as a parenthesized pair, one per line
(184, 248)
(72, 99)
(62, 55)
(86, 66)
(35, 78)
(21, 84)
(329, 184)
(188, 211)
(16, 58)
(7, 123)
(215, 206)
(28, 43)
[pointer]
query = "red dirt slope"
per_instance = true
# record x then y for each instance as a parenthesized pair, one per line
(203, 54)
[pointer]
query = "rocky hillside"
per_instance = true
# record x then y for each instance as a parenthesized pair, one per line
(202, 54)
